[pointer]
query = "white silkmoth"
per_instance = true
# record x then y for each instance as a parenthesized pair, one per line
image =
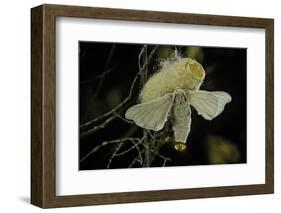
(169, 93)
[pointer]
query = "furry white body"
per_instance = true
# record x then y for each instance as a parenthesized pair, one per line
(184, 73)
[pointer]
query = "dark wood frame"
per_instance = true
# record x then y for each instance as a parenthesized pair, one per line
(43, 106)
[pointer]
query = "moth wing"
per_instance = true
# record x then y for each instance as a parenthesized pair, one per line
(208, 104)
(181, 118)
(153, 114)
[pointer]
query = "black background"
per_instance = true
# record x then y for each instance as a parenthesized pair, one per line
(225, 71)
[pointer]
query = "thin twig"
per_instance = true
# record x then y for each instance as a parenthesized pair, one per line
(123, 119)
(151, 134)
(137, 159)
(140, 154)
(163, 157)
(129, 149)
(96, 148)
(147, 153)
(100, 83)
(96, 128)
(140, 56)
(114, 154)
(104, 124)
(164, 162)
(99, 76)
(158, 154)
(143, 65)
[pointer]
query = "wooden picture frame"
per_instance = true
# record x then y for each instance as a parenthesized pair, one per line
(43, 105)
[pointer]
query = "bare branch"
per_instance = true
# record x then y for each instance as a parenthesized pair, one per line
(143, 65)
(114, 110)
(121, 104)
(149, 143)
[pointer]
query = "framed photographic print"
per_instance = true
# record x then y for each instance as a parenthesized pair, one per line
(136, 106)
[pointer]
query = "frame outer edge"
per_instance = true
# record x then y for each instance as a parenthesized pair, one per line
(43, 110)
(49, 106)
(270, 106)
(37, 188)
(43, 106)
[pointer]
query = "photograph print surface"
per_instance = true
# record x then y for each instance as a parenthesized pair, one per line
(144, 105)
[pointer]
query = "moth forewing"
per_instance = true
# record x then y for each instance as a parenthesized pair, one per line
(208, 104)
(153, 114)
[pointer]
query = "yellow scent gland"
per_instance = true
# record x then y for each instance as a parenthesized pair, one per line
(180, 147)
(185, 73)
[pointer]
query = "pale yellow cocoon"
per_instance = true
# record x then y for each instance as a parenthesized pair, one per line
(185, 73)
